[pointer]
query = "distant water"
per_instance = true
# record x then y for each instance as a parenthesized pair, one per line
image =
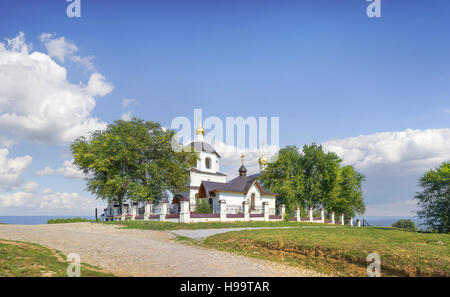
(387, 221)
(35, 220)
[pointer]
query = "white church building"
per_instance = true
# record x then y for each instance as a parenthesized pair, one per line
(207, 182)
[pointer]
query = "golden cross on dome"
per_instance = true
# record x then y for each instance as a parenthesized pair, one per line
(242, 158)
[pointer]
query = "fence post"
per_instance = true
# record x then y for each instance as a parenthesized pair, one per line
(223, 210)
(332, 218)
(358, 223)
(282, 210)
(265, 206)
(351, 221)
(185, 215)
(133, 212)
(148, 210)
(245, 210)
(342, 219)
(297, 214)
(123, 215)
(163, 212)
(322, 215)
(310, 210)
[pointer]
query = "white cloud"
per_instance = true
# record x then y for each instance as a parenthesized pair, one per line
(68, 170)
(126, 102)
(4, 142)
(413, 149)
(30, 187)
(98, 86)
(126, 116)
(18, 199)
(36, 100)
(45, 172)
(393, 163)
(65, 200)
(47, 191)
(12, 170)
(60, 49)
(47, 200)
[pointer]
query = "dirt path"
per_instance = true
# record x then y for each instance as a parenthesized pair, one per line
(128, 252)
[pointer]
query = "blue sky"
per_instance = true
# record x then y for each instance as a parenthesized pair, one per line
(326, 69)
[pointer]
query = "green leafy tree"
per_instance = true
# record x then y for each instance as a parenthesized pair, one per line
(348, 197)
(285, 177)
(132, 161)
(313, 178)
(434, 199)
(405, 224)
(320, 172)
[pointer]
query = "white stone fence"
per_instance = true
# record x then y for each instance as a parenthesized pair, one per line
(186, 216)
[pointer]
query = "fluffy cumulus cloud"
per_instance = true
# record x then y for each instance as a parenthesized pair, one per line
(61, 49)
(65, 200)
(46, 200)
(411, 149)
(30, 187)
(37, 102)
(12, 170)
(393, 163)
(67, 170)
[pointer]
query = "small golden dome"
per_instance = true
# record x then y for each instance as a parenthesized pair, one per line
(200, 130)
(263, 160)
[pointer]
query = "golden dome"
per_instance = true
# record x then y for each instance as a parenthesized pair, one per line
(263, 160)
(200, 130)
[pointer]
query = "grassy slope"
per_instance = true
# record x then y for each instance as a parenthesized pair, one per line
(343, 250)
(156, 225)
(21, 259)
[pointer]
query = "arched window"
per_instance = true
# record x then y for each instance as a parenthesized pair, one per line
(252, 202)
(208, 163)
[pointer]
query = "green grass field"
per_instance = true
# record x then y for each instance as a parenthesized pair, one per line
(21, 259)
(342, 251)
(156, 225)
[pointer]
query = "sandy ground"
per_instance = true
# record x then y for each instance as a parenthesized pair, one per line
(128, 252)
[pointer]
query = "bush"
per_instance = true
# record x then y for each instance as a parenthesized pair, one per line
(405, 224)
(203, 206)
(68, 220)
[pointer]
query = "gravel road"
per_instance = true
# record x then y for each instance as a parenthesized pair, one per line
(128, 252)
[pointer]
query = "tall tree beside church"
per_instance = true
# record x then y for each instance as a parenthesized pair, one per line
(320, 172)
(434, 199)
(313, 178)
(285, 177)
(348, 198)
(132, 161)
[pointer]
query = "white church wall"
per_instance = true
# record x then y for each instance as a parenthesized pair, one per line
(233, 201)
